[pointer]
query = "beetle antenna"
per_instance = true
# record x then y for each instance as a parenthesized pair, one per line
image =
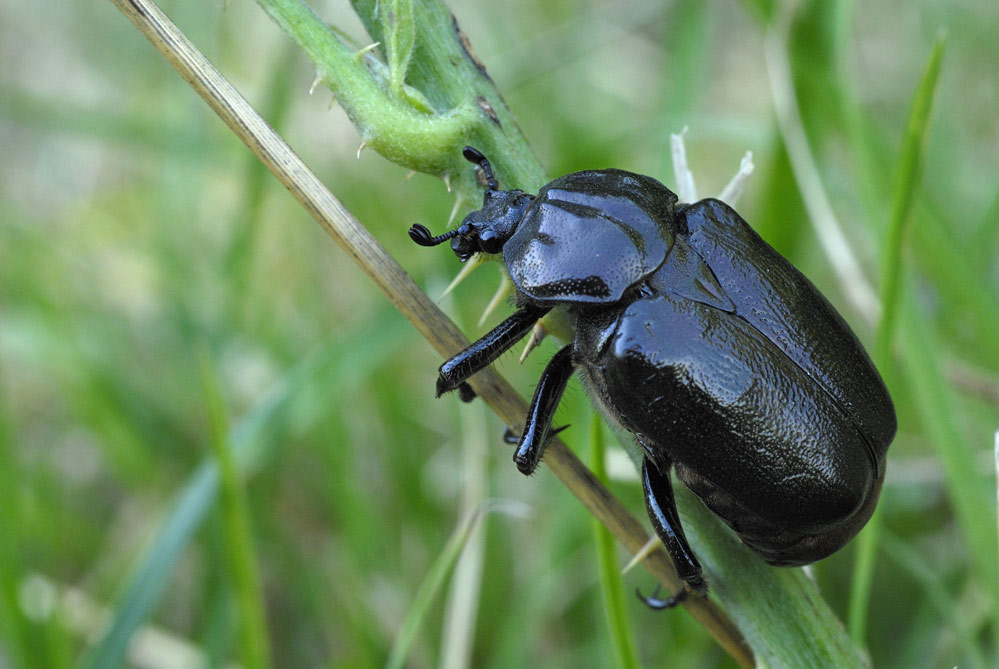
(419, 234)
(473, 155)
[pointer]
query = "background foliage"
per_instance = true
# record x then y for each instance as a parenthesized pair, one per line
(160, 295)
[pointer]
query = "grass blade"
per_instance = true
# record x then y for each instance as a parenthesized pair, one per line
(626, 653)
(906, 183)
(970, 492)
(430, 588)
(461, 608)
(935, 591)
(13, 626)
(249, 443)
(238, 533)
(146, 586)
(907, 171)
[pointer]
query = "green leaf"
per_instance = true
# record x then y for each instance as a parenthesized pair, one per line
(387, 123)
(423, 48)
(399, 29)
(13, 625)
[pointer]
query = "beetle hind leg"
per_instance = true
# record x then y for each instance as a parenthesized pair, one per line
(661, 506)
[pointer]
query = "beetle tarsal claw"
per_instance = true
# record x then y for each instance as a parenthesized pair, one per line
(364, 145)
(654, 601)
(538, 335)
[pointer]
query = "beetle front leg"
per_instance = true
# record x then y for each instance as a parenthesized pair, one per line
(537, 429)
(491, 346)
(662, 511)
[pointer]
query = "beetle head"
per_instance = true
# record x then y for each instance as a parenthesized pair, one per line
(482, 231)
(485, 230)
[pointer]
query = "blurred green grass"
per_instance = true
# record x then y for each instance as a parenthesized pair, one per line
(135, 233)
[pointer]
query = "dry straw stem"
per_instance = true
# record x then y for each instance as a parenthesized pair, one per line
(433, 324)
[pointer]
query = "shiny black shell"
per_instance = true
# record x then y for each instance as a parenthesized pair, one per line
(728, 363)
(692, 333)
(589, 236)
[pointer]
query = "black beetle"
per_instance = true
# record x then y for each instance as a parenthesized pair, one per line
(692, 333)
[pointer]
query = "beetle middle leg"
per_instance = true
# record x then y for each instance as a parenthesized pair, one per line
(538, 427)
(492, 345)
(662, 511)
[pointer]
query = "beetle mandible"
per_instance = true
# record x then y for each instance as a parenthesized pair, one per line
(692, 333)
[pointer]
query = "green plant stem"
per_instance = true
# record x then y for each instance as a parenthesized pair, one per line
(447, 72)
(389, 124)
(422, 130)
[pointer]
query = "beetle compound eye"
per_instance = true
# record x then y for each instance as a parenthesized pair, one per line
(490, 242)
